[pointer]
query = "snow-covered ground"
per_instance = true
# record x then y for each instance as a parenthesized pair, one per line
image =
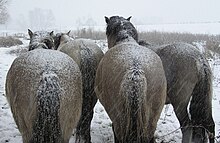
(168, 129)
(198, 28)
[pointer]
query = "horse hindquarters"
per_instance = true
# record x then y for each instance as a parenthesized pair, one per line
(45, 95)
(201, 106)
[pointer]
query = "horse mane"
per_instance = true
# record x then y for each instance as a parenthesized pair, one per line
(119, 29)
(144, 43)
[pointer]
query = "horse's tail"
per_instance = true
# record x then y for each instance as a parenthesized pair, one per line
(88, 70)
(46, 127)
(133, 89)
(201, 102)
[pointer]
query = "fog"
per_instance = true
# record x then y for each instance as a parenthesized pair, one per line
(72, 13)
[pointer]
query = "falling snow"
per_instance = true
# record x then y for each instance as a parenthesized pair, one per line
(168, 129)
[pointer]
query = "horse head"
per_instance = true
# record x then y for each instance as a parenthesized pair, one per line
(119, 29)
(41, 39)
(61, 37)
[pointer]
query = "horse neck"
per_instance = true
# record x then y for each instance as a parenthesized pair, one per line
(112, 41)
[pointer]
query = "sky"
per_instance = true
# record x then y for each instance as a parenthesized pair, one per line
(72, 13)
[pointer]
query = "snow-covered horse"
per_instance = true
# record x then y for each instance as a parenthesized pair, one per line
(189, 82)
(87, 55)
(130, 84)
(44, 90)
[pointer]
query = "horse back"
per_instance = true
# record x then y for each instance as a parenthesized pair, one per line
(79, 49)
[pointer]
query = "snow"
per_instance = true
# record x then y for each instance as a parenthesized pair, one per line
(168, 129)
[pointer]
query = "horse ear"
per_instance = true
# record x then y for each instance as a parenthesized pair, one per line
(129, 18)
(68, 33)
(51, 33)
(30, 33)
(107, 20)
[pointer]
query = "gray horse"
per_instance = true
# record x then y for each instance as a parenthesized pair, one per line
(44, 90)
(130, 84)
(189, 81)
(87, 55)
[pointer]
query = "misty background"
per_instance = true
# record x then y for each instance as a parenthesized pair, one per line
(72, 14)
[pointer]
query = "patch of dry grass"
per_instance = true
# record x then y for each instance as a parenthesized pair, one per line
(9, 41)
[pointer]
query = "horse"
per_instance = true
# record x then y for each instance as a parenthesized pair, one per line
(87, 55)
(130, 84)
(41, 39)
(44, 91)
(189, 82)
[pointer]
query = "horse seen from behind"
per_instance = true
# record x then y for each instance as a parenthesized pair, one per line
(189, 83)
(87, 55)
(130, 84)
(44, 91)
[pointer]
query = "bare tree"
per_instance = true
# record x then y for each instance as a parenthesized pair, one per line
(4, 15)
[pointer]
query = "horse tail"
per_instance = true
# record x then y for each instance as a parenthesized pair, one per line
(88, 70)
(201, 102)
(133, 89)
(46, 127)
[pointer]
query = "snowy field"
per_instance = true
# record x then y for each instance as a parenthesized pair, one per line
(168, 129)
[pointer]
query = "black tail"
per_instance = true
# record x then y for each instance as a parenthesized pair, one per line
(201, 103)
(47, 127)
(88, 66)
(133, 88)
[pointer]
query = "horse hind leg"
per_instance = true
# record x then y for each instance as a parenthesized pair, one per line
(83, 126)
(201, 112)
(182, 115)
(179, 100)
(115, 138)
(88, 70)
